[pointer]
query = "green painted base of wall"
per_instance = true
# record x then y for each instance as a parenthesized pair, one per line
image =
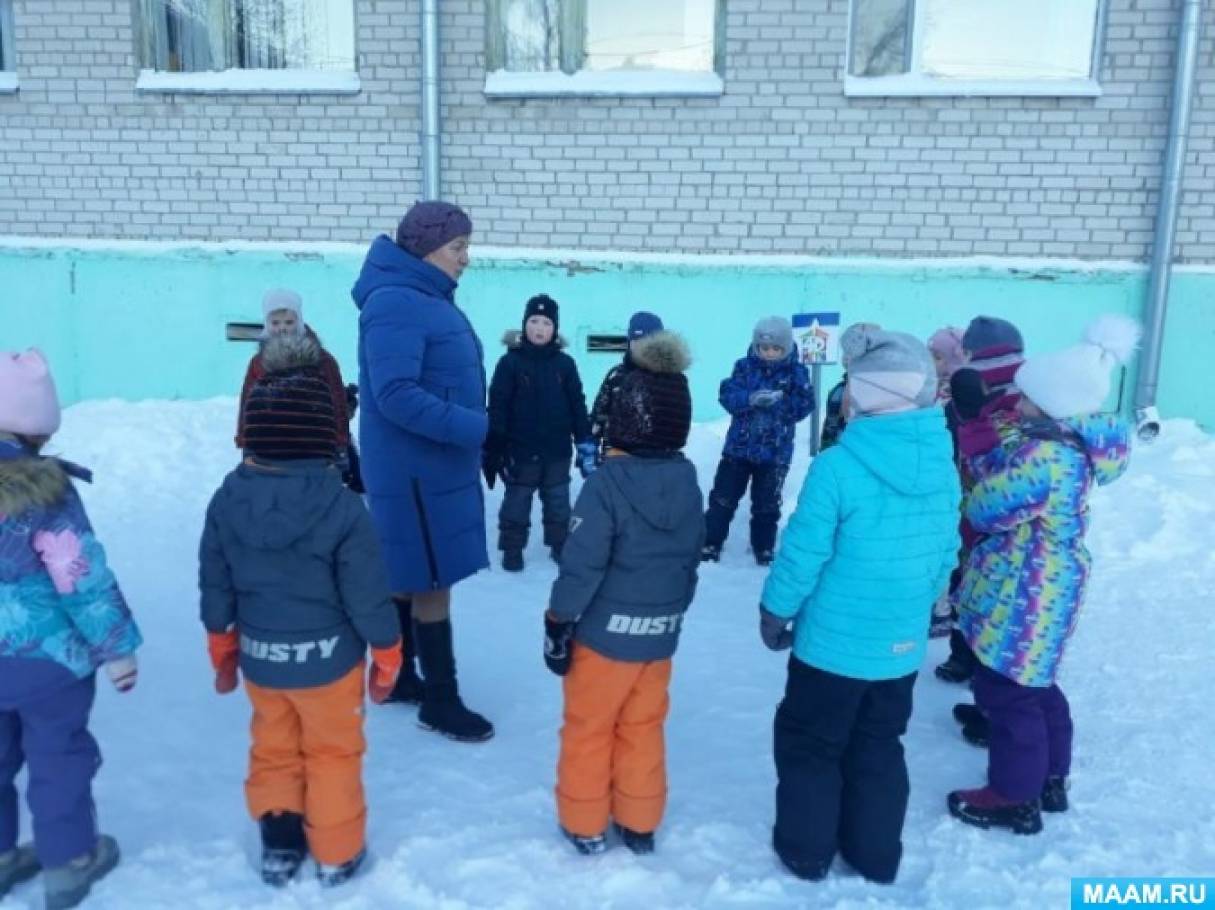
(143, 322)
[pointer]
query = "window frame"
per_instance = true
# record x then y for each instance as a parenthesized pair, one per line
(584, 83)
(241, 81)
(8, 53)
(915, 83)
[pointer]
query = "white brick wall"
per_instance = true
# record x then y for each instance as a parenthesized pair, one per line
(783, 162)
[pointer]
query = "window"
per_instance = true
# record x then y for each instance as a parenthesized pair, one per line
(248, 45)
(604, 47)
(974, 47)
(8, 78)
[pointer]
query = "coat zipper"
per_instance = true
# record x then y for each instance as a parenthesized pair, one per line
(426, 540)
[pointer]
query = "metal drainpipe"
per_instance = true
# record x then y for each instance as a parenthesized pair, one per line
(1146, 415)
(430, 99)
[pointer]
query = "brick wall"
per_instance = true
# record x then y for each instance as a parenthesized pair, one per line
(783, 162)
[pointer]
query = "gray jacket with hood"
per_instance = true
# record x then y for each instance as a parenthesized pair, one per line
(628, 568)
(290, 557)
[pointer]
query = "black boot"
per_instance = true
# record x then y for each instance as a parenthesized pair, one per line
(984, 808)
(512, 560)
(638, 842)
(1054, 794)
(283, 847)
(710, 553)
(976, 729)
(332, 876)
(442, 710)
(587, 846)
(954, 671)
(408, 690)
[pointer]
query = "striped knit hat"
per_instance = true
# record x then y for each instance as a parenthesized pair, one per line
(289, 412)
(996, 350)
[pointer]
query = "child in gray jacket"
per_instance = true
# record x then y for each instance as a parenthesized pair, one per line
(628, 574)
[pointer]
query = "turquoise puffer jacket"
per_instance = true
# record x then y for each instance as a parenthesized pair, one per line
(870, 547)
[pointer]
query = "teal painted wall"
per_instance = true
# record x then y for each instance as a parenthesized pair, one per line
(134, 322)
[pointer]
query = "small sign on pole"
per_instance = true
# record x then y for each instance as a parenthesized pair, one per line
(818, 338)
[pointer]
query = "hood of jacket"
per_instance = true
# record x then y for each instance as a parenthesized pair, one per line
(271, 506)
(28, 481)
(661, 352)
(910, 451)
(389, 266)
(1106, 439)
(651, 488)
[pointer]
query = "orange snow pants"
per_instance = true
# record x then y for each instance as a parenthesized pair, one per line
(613, 759)
(307, 757)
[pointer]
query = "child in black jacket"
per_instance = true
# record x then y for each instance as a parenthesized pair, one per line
(536, 408)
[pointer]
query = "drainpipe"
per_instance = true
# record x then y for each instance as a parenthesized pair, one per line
(1146, 416)
(430, 99)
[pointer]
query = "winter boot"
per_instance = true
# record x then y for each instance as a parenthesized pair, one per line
(710, 553)
(284, 847)
(68, 885)
(941, 623)
(442, 710)
(976, 729)
(16, 866)
(807, 870)
(332, 876)
(408, 690)
(587, 846)
(954, 671)
(985, 808)
(764, 558)
(1054, 794)
(637, 842)
(555, 552)
(512, 560)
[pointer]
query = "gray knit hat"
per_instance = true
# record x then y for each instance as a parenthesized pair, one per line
(775, 330)
(888, 371)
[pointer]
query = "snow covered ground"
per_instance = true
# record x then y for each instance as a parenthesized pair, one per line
(455, 826)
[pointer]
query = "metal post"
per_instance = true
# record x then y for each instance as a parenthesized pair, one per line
(1166, 219)
(816, 380)
(431, 126)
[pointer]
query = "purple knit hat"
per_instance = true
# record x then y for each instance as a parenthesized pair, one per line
(429, 225)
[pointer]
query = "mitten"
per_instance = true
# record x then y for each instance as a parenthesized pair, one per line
(969, 393)
(775, 630)
(765, 398)
(558, 637)
(385, 668)
(588, 458)
(224, 648)
(123, 672)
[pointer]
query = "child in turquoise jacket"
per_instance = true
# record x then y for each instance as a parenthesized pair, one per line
(864, 557)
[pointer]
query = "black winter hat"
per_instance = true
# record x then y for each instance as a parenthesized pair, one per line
(289, 414)
(541, 305)
(652, 411)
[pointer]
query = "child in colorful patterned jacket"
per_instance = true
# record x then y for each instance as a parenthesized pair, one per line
(1025, 581)
(62, 617)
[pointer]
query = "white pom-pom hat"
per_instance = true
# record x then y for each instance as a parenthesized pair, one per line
(1076, 380)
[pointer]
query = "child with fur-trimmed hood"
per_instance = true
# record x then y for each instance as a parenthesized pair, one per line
(628, 575)
(62, 618)
(536, 410)
(1025, 580)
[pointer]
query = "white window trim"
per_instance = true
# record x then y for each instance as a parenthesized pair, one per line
(604, 84)
(917, 85)
(8, 82)
(251, 82)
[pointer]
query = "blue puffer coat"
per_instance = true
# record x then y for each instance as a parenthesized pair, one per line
(423, 420)
(870, 547)
(765, 435)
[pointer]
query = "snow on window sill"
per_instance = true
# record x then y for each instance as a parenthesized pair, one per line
(8, 83)
(251, 82)
(591, 84)
(914, 85)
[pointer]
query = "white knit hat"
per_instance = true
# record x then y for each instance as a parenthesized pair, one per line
(282, 299)
(1076, 380)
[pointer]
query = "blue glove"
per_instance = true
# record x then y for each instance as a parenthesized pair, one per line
(588, 458)
(765, 398)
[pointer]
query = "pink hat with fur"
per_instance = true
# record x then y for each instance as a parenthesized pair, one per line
(28, 403)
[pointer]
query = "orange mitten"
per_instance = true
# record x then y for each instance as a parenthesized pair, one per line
(385, 668)
(224, 648)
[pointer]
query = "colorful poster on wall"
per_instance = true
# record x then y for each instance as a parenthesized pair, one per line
(818, 337)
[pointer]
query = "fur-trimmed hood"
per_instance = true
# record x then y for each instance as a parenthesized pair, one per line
(662, 352)
(289, 352)
(28, 482)
(512, 339)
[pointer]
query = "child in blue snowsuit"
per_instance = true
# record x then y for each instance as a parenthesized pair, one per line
(62, 617)
(768, 394)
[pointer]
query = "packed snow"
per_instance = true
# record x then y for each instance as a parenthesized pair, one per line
(456, 826)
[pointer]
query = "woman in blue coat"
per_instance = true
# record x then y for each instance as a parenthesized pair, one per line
(422, 388)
